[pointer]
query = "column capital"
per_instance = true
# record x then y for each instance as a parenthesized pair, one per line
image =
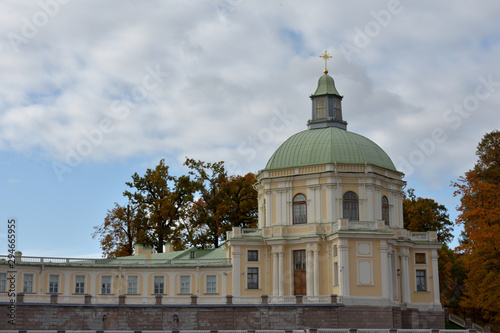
(434, 255)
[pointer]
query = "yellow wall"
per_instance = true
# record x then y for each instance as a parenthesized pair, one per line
(421, 296)
(375, 288)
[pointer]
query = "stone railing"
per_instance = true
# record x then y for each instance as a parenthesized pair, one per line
(344, 224)
(174, 300)
(239, 232)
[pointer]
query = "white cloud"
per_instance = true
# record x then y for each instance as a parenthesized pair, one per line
(231, 63)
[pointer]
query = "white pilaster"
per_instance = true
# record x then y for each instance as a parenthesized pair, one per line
(275, 274)
(316, 272)
(391, 275)
(236, 254)
(269, 210)
(370, 203)
(223, 284)
(329, 203)
(384, 261)
(279, 207)
(343, 249)
(309, 273)
(405, 278)
(435, 277)
(281, 286)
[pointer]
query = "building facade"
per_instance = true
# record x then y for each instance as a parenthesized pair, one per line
(330, 222)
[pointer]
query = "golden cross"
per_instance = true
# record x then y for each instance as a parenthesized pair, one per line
(326, 57)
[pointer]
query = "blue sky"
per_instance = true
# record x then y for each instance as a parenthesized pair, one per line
(94, 91)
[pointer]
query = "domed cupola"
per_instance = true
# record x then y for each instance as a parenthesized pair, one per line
(327, 141)
(326, 103)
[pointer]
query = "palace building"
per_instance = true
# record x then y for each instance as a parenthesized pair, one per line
(330, 222)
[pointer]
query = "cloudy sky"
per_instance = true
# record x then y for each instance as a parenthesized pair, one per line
(93, 91)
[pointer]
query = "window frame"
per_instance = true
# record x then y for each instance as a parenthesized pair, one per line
(182, 285)
(336, 273)
(321, 113)
(27, 282)
(335, 251)
(80, 285)
(3, 282)
(424, 256)
(53, 285)
(385, 210)
(251, 276)
(347, 209)
(108, 286)
(159, 287)
(132, 287)
(212, 288)
(251, 258)
(299, 214)
(299, 259)
(420, 279)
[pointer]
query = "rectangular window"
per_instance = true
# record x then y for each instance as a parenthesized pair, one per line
(3, 282)
(335, 273)
(106, 284)
(185, 284)
(132, 285)
(335, 251)
(211, 284)
(80, 284)
(299, 213)
(28, 283)
(420, 280)
(252, 278)
(253, 255)
(420, 258)
(159, 283)
(53, 284)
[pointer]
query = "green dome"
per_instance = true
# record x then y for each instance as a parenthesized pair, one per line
(328, 145)
(326, 85)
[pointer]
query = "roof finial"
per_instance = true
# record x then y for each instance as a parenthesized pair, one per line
(326, 57)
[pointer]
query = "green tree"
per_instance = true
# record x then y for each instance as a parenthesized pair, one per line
(164, 199)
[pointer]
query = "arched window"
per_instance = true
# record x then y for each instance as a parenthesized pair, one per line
(299, 209)
(385, 210)
(351, 207)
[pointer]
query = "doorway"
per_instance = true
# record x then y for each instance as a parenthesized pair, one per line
(299, 272)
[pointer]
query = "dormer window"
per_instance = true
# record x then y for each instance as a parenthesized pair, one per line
(192, 255)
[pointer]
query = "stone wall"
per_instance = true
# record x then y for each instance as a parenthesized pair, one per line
(219, 317)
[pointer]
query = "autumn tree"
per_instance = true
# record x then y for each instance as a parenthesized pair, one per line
(242, 209)
(451, 277)
(425, 214)
(223, 202)
(479, 214)
(164, 199)
(119, 231)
